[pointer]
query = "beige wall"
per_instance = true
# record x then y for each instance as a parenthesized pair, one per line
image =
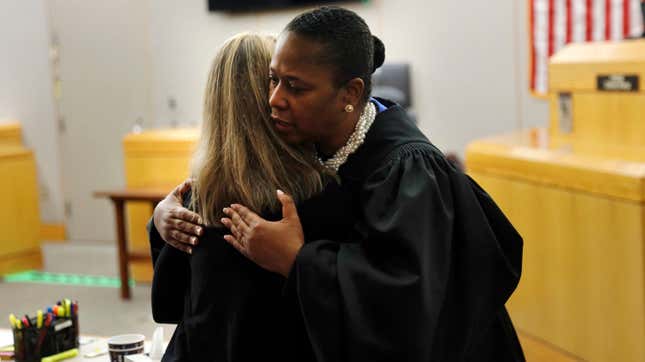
(26, 94)
(104, 67)
(124, 59)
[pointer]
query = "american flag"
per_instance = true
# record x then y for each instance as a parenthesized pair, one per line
(555, 23)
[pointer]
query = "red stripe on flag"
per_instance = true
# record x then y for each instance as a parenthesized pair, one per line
(532, 42)
(607, 19)
(551, 26)
(589, 20)
(626, 14)
(569, 23)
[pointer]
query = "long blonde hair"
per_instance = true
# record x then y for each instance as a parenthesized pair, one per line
(240, 158)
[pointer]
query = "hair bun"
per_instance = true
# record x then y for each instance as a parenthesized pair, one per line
(379, 53)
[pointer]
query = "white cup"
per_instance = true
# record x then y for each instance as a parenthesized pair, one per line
(125, 344)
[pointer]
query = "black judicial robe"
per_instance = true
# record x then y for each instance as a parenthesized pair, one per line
(417, 264)
(426, 268)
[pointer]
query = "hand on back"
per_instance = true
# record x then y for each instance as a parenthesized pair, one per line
(178, 226)
(273, 245)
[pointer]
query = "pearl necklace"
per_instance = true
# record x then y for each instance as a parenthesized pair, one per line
(355, 140)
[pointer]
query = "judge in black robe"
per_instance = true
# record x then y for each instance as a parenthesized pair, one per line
(418, 266)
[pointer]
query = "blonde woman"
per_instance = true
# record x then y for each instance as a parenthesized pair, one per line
(228, 308)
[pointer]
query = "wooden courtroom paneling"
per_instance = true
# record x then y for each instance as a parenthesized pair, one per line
(537, 350)
(611, 120)
(582, 286)
(576, 193)
(19, 216)
(53, 232)
(582, 221)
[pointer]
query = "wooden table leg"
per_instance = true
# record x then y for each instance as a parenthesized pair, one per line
(122, 247)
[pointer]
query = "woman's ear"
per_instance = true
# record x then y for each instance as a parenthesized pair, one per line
(353, 92)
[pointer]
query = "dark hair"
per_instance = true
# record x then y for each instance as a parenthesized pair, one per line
(348, 45)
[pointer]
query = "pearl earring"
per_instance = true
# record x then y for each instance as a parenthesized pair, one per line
(349, 108)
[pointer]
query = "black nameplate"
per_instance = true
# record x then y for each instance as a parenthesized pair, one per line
(617, 83)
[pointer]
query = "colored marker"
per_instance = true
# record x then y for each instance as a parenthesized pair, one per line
(39, 318)
(13, 321)
(60, 311)
(68, 308)
(25, 321)
(61, 356)
(43, 332)
(18, 324)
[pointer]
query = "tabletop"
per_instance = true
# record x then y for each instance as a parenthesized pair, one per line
(92, 348)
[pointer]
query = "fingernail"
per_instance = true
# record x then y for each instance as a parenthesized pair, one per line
(199, 221)
(190, 250)
(193, 240)
(225, 210)
(280, 192)
(199, 231)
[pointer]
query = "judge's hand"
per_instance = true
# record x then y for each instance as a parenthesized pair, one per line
(271, 245)
(177, 225)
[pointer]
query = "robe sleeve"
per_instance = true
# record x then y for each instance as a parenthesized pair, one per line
(426, 274)
(170, 278)
(156, 242)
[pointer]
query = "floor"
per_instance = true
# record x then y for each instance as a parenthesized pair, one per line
(101, 310)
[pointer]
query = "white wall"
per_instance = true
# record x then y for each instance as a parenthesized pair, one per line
(104, 67)
(185, 38)
(26, 94)
(469, 60)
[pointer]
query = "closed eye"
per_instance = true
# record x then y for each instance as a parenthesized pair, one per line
(293, 87)
(273, 80)
(289, 85)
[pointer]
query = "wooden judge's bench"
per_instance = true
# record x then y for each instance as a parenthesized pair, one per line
(576, 192)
